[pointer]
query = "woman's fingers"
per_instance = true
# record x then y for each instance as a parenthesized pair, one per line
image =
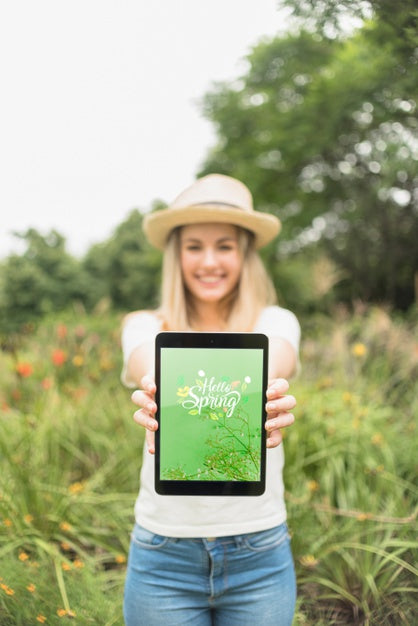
(278, 407)
(144, 398)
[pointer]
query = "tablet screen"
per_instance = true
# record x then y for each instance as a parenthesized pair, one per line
(211, 398)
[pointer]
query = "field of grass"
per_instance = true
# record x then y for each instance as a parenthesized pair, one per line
(69, 467)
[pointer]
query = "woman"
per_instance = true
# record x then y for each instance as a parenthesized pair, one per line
(211, 560)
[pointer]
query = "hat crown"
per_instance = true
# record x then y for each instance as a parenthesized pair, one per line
(215, 189)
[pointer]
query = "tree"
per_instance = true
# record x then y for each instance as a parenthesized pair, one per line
(324, 130)
(125, 268)
(43, 279)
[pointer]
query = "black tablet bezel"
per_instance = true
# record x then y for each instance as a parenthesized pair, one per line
(198, 340)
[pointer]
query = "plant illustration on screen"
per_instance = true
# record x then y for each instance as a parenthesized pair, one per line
(215, 424)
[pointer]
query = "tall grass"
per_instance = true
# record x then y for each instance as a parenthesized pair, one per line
(69, 465)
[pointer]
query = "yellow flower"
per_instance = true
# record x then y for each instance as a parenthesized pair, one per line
(362, 516)
(8, 591)
(28, 518)
(76, 487)
(65, 545)
(7, 522)
(65, 612)
(313, 485)
(347, 397)
(183, 391)
(65, 566)
(78, 360)
(23, 556)
(359, 350)
(78, 563)
(309, 560)
(41, 618)
(65, 526)
(120, 558)
(377, 439)
(31, 587)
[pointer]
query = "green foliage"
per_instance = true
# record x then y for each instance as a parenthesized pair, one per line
(70, 455)
(43, 279)
(122, 272)
(324, 131)
(125, 268)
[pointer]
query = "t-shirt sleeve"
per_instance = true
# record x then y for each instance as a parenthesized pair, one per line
(139, 328)
(275, 321)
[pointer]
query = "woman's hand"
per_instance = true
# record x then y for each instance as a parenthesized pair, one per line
(278, 406)
(145, 398)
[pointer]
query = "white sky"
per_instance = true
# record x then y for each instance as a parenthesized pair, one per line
(98, 110)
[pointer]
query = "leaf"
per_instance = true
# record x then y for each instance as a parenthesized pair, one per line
(193, 412)
(213, 416)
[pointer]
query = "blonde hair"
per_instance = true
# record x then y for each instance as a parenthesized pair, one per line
(242, 307)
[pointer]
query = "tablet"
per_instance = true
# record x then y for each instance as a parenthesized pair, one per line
(211, 396)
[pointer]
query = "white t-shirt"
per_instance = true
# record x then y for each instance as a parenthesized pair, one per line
(210, 516)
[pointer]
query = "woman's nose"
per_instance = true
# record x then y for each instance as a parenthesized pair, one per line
(209, 257)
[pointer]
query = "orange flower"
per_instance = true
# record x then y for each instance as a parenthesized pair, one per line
(62, 331)
(76, 487)
(78, 563)
(65, 526)
(23, 556)
(41, 618)
(120, 558)
(46, 384)
(7, 590)
(58, 357)
(31, 587)
(24, 369)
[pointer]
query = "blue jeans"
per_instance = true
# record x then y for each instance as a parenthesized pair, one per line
(227, 581)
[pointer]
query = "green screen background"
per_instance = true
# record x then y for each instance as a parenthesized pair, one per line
(210, 445)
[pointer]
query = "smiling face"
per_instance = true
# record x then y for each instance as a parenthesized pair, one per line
(210, 260)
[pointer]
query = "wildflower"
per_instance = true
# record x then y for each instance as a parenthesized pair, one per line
(65, 526)
(377, 439)
(46, 384)
(8, 591)
(65, 566)
(65, 546)
(78, 563)
(28, 518)
(7, 522)
(23, 556)
(24, 369)
(58, 357)
(65, 612)
(313, 485)
(359, 350)
(41, 618)
(31, 587)
(76, 487)
(362, 516)
(347, 397)
(62, 331)
(120, 558)
(78, 360)
(309, 560)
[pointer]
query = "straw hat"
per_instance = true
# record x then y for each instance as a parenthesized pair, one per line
(213, 198)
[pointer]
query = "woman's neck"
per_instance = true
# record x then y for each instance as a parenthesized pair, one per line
(208, 317)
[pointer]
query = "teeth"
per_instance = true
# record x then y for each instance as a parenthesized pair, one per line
(210, 279)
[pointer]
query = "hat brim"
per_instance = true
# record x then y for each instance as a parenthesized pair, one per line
(157, 226)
